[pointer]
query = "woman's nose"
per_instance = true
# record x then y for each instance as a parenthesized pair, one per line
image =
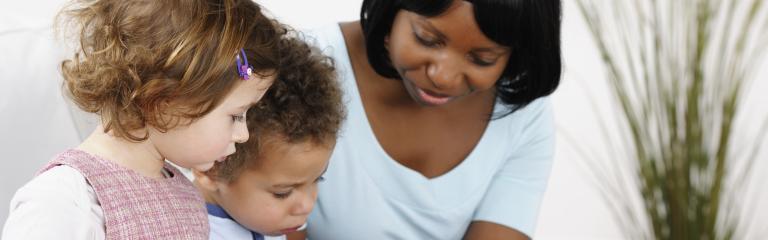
(445, 72)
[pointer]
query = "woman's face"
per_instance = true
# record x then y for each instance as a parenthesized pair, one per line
(444, 58)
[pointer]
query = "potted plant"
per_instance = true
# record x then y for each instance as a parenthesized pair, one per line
(678, 70)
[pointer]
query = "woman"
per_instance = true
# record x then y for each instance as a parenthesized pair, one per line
(448, 133)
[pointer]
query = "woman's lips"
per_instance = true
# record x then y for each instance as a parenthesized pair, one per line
(433, 98)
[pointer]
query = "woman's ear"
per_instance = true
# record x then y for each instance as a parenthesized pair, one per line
(386, 42)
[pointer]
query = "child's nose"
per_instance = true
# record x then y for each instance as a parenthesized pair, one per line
(241, 133)
(304, 206)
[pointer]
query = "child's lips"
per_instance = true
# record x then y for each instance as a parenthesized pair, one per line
(290, 230)
(221, 159)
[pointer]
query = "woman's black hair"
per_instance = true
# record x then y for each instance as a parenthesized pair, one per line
(530, 28)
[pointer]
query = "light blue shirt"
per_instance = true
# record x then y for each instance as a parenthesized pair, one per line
(224, 227)
(369, 195)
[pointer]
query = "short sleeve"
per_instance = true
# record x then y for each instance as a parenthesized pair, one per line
(515, 193)
(58, 204)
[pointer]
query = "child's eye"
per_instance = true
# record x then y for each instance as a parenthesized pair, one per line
(282, 195)
(320, 179)
(238, 118)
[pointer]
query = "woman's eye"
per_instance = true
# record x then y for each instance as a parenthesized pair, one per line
(480, 61)
(426, 42)
(282, 195)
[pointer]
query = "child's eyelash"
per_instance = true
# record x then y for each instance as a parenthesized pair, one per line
(282, 195)
(238, 118)
(320, 179)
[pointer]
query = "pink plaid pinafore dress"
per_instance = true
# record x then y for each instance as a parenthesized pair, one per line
(140, 207)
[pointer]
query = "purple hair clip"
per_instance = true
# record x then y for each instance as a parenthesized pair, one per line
(244, 69)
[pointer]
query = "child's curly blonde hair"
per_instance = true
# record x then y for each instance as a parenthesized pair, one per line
(149, 63)
(303, 105)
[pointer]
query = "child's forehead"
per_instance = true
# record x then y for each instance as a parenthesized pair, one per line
(290, 159)
(279, 173)
(282, 154)
(274, 142)
(248, 91)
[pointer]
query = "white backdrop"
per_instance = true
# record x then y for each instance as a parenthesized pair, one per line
(35, 122)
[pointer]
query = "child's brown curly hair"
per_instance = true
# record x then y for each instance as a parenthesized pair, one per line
(148, 63)
(303, 104)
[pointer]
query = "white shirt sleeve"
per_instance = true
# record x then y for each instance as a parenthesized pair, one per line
(515, 193)
(57, 204)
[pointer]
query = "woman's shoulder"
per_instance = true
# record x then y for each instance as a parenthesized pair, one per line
(330, 40)
(527, 125)
(535, 107)
(325, 36)
(334, 39)
(535, 115)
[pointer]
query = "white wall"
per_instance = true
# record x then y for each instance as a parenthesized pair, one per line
(35, 122)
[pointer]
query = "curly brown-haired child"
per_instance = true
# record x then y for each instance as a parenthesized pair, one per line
(269, 186)
(171, 81)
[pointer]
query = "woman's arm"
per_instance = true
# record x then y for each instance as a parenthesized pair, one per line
(491, 231)
(298, 235)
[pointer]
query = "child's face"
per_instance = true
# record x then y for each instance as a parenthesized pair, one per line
(276, 195)
(212, 138)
